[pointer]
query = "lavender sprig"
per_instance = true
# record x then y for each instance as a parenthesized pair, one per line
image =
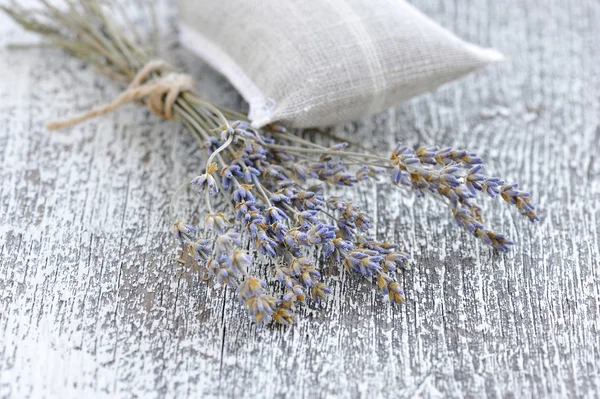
(268, 178)
(456, 176)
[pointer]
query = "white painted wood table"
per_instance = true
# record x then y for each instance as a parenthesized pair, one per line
(91, 304)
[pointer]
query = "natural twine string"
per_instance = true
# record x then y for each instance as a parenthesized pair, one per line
(159, 95)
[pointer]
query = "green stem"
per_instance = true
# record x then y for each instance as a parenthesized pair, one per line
(218, 150)
(326, 151)
(262, 190)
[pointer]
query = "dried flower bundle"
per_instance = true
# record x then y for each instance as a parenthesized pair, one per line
(267, 184)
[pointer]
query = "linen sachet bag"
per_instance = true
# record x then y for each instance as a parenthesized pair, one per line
(309, 63)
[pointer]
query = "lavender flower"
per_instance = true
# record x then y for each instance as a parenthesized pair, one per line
(183, 231)
(272, 201)
(200, 249)
(216, 222)
(229, 173)
(259, 305)
(441, 172)
(206, 180)
(274, 215)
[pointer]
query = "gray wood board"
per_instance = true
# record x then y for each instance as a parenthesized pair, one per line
(91, 304)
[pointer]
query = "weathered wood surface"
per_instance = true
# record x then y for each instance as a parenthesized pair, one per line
(92, 306)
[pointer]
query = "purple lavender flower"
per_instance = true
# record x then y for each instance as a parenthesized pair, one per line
(265, 244)
(274, 214)
(205, 181)
(307, 218)
(284, 316)
(239, 261)
(249, 172)
(216, 222)
(295, 238)
(308, 200)
(393, 260)
(229, 173)
(320, 233)
(520, 199)
(243, 193)
(200, 249)
(183, 231)
(280, 197)
(250, 287)
(319, 292)
(283, 215)
(259, 305)
(365, 262)
(226, 242)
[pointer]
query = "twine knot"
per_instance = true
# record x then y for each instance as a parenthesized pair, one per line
(159, 95)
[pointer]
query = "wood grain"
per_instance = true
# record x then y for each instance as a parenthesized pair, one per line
(91, 304)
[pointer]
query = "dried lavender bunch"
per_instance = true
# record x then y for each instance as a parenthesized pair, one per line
(268, 184)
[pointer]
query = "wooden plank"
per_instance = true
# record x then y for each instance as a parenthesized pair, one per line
(91, 305)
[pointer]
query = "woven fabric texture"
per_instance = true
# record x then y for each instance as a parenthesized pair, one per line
(309, 63)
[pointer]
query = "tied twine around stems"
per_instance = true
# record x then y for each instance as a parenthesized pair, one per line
(159, 95)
